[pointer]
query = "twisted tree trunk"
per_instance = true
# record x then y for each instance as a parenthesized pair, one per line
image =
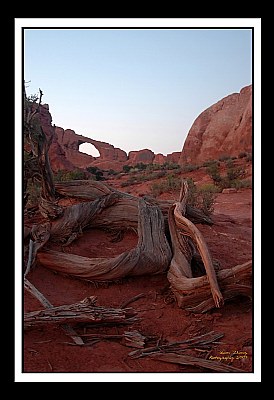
(125, 212)
(203, 293)
(152, 254)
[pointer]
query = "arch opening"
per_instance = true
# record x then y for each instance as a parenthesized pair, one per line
(89, 149)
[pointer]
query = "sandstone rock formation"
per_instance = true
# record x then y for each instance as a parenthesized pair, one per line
(141, 156)
(159, 159)
(225, 128)
(57, 154)
(70, 142)
(64, 152)
(173, 157)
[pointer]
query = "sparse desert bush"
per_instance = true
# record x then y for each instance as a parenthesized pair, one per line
(210, 162)
(170, 165)
(233, 175)
(241, 184)
(249, 157)
(202, 198)
(189, 168)
(242, 154)
(154, 167)
(63, 175)
(209, 187)
(224, 157)
(134, 179)
(130, 181)
(112, 172)
(97, 172)
(213, 171)
(206, 196)
(140, 166)
(169, 184)
(126, 168)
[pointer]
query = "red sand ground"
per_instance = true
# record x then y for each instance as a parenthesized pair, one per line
(46, 349)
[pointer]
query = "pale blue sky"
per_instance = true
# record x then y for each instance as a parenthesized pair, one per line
(135, 88)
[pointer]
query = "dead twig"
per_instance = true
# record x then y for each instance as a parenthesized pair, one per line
(127, 302)
(201, 340)
(84, 311)
(44, 301)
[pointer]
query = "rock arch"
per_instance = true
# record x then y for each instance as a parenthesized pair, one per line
(70, 142)
(89, 149)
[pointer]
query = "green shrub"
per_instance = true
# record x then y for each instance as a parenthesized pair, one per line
(134, 179)
(210, 162)
(170, 165)
(189, 168)
(234, 173)
(131, 181)
(63, 175)
(242, 154)
(126, 168)
(224, 157)
(241, 184)
(170, 184)
(229, 163)
(206, 199)
(249, 157)
(209, 187)
(203, 197)
(140, 166)
(112, 172)
(153, 167)
(213, 172)
(97, 172)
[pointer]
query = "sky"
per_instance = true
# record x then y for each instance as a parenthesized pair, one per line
(135, 88)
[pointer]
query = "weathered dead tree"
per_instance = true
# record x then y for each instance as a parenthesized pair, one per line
(205, 292)
(38, 164)
(80, 216)
(152, 254)
(235, 281)
(45, 303)
(38, 237)
(84, 311)
(125, 212)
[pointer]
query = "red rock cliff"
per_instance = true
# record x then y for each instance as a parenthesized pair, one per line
(225, 128)
(64, 151)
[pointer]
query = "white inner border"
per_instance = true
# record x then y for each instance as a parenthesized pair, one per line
(156, 23)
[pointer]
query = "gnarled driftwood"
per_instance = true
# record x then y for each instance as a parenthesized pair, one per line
(125, 212)
(83, 311)
(208, 291)
(152, 254)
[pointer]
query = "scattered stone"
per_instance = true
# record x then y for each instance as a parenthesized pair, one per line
(229, 190)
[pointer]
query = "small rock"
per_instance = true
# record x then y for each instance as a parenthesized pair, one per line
(229, 190)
